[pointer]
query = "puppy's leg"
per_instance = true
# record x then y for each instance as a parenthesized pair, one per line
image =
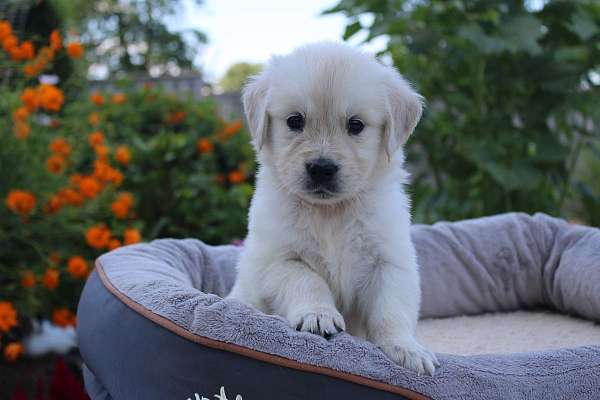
(303, 298)
(391, 307)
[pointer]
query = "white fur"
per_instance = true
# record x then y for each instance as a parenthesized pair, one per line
(346, 260)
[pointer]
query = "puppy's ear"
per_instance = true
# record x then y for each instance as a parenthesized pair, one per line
(404, 108)
(254, 98)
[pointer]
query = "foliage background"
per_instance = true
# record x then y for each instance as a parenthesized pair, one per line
(513, 115)
(236, 76)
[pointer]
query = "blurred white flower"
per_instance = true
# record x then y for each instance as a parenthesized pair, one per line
(49, 338)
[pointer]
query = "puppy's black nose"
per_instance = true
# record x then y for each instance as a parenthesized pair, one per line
(321, 170)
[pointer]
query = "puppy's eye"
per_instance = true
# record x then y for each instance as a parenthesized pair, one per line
(355, 126)
(295, 122)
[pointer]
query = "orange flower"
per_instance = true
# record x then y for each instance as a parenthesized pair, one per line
(126, 197)
(114, 244)
(102, 170)
(13, 351)
(97, 236)
(53, 205)
(55, 40)
(75, 50)
(16, 54)
(5, 29)
(56, 163)
(176, 117)
(94, 118)
(51, 278)
(8, 316)
(230, 130)
(89, 187)
(51, 97)
(20, 202)
(96, 138)
(29, 97)
(119, 98)
(101, 152)
(71, 197)
(63, 317)
(116, 177)
(131, 236)
(236, 177)
(77, 267)
(122, 155)
(120, 207)
(21, 114)
(75, 179)
(27, 50)
(22, 130)
(28, 280)
(9, 43)
(233, 128)
(204, 146)
(105, 173)
(60, 146)
(30, 70)
(46, 54)
(97, 98)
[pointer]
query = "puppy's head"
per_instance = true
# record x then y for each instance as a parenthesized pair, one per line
(327, 119)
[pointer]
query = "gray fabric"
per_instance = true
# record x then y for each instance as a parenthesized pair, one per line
(500, 263)
(93, 386)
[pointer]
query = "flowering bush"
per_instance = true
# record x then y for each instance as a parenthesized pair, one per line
(90, 173)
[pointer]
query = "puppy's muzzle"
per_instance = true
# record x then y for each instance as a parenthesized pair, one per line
(322, 174)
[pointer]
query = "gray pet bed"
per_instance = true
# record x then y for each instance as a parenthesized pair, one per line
(152, 323)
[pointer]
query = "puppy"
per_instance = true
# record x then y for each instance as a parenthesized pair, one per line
(328, 244)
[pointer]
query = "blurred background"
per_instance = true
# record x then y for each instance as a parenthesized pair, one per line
(121, 121)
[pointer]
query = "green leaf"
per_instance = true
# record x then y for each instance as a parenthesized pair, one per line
(571, 53)
(522, 175)
(352, 29)
(549, 149)
(522, 33)
(474, 34)
(158, 227)
(343, 5)
(591, 201)
(510, 174)
(583, 25)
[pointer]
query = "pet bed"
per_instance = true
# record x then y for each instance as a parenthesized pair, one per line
(152, 323)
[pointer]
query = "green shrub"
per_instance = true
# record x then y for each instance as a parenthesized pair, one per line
(512, 97)
(181, 192)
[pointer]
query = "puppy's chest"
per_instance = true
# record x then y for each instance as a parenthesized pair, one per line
(341, 250)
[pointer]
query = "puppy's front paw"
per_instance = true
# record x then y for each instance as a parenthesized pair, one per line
(411, 355)
(324, 321)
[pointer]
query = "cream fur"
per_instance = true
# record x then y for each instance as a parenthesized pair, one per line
(346, 260)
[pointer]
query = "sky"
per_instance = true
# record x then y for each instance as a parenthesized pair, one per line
(253, 30)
